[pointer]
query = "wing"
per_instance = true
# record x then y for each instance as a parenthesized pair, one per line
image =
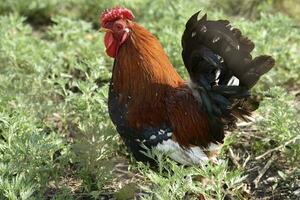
(222, 71)
(189, 123)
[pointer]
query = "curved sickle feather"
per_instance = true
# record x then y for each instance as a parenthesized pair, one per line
(228, 43)
(214, 53)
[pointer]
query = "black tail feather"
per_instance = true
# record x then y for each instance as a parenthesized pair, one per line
(229, 44)
(214, 52)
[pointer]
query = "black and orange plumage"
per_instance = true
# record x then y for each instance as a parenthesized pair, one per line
(152, 106)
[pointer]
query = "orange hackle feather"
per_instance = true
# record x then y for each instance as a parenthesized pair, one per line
(144, 74)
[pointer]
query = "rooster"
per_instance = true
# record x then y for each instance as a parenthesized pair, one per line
(152, 107)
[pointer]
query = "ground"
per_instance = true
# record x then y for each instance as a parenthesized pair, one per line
(56, 138)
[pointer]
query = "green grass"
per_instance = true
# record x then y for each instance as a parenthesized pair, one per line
(56, 138)
(172, 181)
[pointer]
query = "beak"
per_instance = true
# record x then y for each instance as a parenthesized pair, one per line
(104, 30)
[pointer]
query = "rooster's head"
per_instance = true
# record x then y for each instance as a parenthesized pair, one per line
(116, 23)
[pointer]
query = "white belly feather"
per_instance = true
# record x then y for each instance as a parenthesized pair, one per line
(191, 156)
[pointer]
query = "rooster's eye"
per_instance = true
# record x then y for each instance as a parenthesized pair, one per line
(118, 26)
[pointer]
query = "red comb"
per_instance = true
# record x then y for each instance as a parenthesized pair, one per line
(114, 14)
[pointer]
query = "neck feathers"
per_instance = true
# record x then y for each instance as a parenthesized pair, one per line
(142, 75)
(142, 63)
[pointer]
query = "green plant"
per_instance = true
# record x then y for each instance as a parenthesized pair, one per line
(278, 124)
(173, 181)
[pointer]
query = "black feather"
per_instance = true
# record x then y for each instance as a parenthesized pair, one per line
(227, 42)
(214, 52)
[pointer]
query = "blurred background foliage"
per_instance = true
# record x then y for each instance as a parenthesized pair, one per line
(56, 138)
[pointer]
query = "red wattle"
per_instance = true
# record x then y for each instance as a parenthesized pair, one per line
(110, 44)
